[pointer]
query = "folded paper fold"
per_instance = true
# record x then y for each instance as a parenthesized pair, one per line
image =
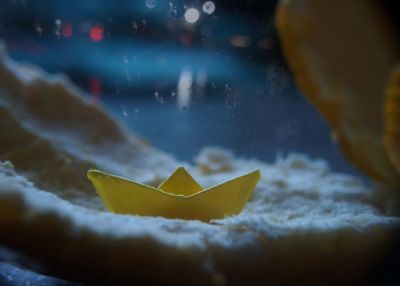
(179, 196)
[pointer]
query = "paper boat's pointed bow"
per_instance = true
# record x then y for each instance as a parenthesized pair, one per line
(179, 196)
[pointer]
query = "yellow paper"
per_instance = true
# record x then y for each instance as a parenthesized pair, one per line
(179, 196)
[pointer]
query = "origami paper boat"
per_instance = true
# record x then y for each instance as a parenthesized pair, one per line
(179, 196)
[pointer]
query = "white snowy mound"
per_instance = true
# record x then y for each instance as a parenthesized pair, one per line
(304, 224)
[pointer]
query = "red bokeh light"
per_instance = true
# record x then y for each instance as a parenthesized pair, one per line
(96, 33)
(186, 39)
(67, 30)
(95, 87)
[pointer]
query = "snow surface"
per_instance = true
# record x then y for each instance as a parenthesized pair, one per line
(45, 154)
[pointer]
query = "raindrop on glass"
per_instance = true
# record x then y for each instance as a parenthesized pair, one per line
(173, 11)
(124, 111)
(39, 30)
(158, 98)
(58, 23)
(151, 4)
(135, 26)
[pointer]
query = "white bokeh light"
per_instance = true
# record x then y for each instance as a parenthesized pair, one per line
(192, 15)
(209, 7)
(184, 89)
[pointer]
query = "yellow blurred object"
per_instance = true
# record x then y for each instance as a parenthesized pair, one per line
(179, 196)
(392, 118)
(341, 54)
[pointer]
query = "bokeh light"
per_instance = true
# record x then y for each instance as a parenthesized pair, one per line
(67, 30)
(192, 15)
(209, 7)
(96, 33)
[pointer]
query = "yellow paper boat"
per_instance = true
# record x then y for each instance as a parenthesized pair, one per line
(179, 196)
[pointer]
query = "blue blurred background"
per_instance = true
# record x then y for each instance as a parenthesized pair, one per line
(183, 74)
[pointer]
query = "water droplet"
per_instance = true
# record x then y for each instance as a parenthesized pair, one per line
(228, 105)
(158, 98)
(135, 26)
(151, 4)
(124, 111)
(173, 11)
(58, 23)
(39, 30)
